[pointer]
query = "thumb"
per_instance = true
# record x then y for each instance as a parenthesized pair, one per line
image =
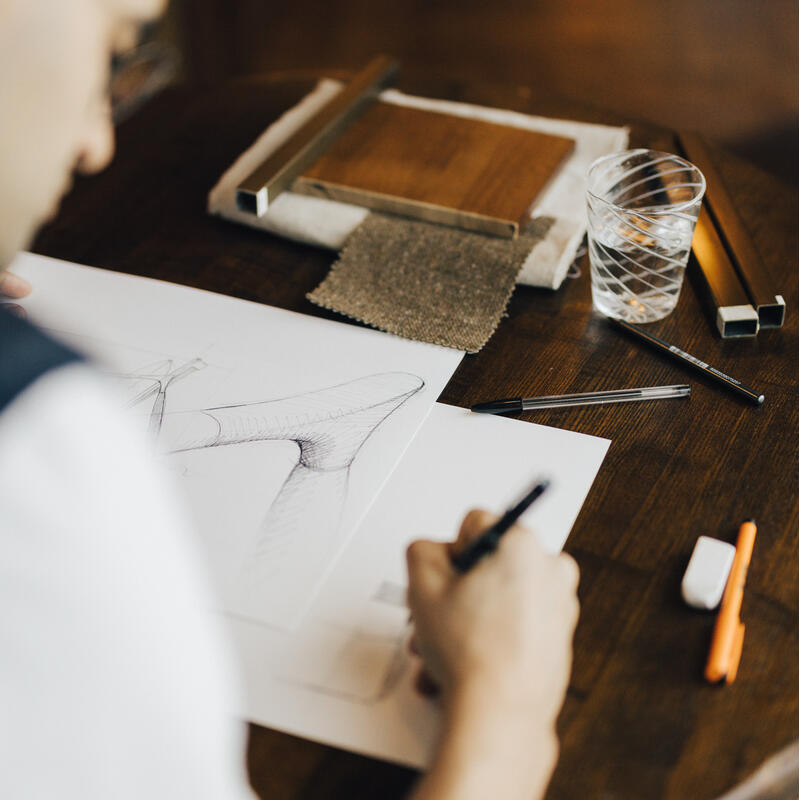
(429, 571)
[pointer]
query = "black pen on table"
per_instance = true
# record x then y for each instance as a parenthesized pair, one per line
(489, 540)
(582, 399)
(690, 361)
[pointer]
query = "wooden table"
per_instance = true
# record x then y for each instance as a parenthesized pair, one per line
(638, 722)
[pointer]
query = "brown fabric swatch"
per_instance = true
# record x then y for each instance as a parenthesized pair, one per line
(427, 282)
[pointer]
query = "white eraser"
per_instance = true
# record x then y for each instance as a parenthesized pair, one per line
(705, 577)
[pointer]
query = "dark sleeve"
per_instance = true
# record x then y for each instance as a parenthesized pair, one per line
(26, 353)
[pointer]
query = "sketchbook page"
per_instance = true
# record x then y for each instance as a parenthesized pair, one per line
(280, 427)
(344, 676)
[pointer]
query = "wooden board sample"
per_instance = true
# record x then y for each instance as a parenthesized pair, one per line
(454, 171)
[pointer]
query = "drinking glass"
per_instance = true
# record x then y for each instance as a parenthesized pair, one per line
(642, 207)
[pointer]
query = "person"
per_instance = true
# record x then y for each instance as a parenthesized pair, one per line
(114, 679)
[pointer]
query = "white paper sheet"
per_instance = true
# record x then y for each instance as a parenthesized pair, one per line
(207, 371)
(343, 677)
(281, 427)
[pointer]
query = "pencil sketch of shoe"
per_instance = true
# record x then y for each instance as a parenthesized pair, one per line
(301, 532)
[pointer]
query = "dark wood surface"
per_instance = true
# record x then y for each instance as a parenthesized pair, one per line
(638, 722)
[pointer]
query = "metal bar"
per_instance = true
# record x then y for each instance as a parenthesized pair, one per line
(255, 193)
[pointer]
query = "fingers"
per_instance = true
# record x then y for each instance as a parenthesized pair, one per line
(423, 554)
(429, 573)
(13, 286)
(520, 551)
(429, 570)
(518, 543)
(475, 523)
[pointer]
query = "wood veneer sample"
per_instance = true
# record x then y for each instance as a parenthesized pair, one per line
(437, 167)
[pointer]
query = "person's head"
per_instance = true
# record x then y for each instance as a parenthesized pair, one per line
(54, 71)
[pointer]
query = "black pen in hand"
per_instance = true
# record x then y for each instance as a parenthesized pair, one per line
(489, 540)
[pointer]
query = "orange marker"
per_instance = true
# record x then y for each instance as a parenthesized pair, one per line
(726, 643)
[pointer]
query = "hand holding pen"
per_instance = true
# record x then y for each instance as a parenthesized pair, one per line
(496, 642)
(450, 603)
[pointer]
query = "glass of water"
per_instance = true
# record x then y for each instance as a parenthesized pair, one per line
(642, 208)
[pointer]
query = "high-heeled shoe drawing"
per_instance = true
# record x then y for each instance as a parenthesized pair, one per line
(301, 532)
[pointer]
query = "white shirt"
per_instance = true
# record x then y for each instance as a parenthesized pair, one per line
(115, 678)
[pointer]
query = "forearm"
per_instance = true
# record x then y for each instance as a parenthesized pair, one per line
(490, 749)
